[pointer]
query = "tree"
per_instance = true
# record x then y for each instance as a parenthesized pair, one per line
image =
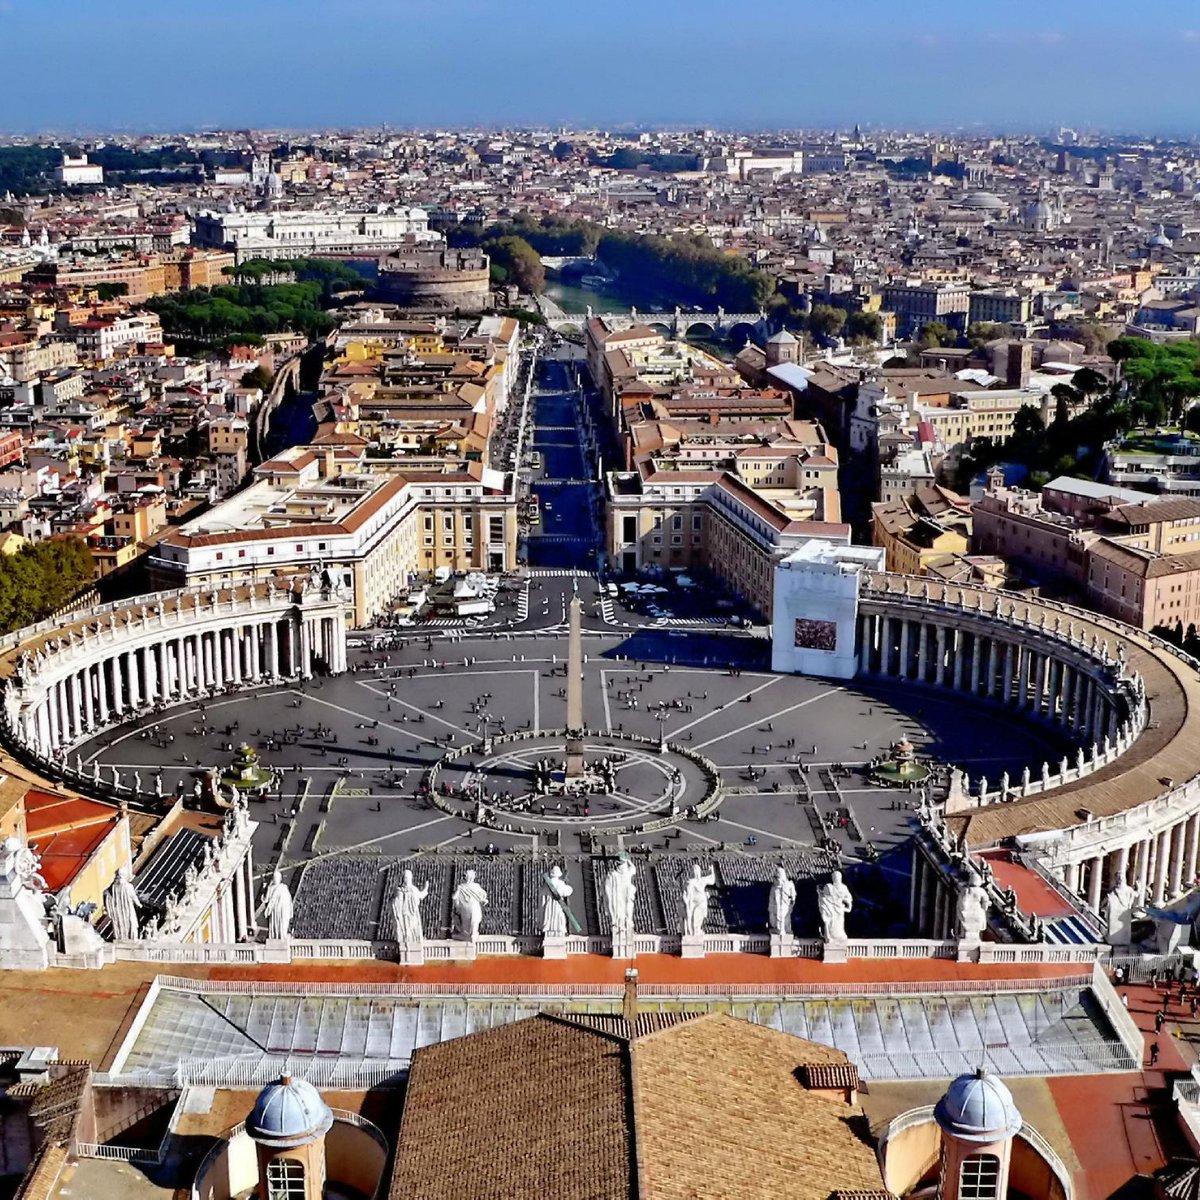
(864, 326)
(519, 262)
(111, 291)
(934, 334)
(1161, 378)
(258, 377)
(40, 579)
(827, 321)
(1088, 381)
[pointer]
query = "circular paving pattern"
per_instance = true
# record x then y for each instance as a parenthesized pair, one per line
(495, 788)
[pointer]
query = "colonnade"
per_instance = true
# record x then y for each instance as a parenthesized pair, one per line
(1161, 865)
(1060, 685)
(162, 656)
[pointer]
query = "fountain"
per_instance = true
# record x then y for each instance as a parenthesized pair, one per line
(900, 768)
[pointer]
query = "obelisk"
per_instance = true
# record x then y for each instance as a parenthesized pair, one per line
(574, 764)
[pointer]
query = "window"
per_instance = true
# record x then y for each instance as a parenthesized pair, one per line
(285, 1179)
(979, 1177)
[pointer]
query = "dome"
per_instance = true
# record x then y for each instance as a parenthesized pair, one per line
(288, 1113)
(782, 338)
(1160, 239)
(985, 200)
(1039, 211)
(978, 1108)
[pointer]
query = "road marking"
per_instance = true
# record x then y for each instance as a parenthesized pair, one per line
(537, 702)
(604, 693)
(383, 724)
(370, 841)
(721, 708)
(770, 717)
(415, 708)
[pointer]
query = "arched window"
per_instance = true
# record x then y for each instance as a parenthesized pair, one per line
(979, 1177)
(285, 1179)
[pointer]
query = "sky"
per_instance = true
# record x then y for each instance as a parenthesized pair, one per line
(163, 65)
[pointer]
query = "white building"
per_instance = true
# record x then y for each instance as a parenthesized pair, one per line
(815, 615)
(76, 171)
(299, 232)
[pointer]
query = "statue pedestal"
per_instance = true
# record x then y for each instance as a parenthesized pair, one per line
(835, 952)
(461, 951)
(783, 945)
(411, 956)
(968, 949)
(691, 946)
(622, 946)
(24, 942)
(554, 946)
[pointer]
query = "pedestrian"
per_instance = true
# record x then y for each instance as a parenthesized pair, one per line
(1158, 1022)
(1153, 1053)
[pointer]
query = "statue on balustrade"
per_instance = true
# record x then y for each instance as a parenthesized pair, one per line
(619, 894)
(122, 903)
(781, 903)
(277, 907)
(469, 901)
(972, 909)
(554, 903)
(695, 901)
(834, 901)
(406, 912)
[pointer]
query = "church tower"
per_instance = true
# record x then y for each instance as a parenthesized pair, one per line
(288, 1125)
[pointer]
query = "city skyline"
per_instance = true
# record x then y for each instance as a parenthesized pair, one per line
(464, 63)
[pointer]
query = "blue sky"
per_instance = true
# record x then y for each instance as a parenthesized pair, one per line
(81, 65)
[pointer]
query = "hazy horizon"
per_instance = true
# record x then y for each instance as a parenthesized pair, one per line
(133, 66)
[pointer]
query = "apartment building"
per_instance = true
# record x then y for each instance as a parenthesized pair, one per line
(731, 497)
(915, 304)
(927, 526)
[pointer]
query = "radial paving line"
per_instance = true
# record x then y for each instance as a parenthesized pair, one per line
(770, 717)
(722, 707)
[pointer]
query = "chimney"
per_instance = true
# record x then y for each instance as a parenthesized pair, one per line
(329, 469)
(630, 1006)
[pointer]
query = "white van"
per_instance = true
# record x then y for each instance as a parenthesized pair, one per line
(441, 574)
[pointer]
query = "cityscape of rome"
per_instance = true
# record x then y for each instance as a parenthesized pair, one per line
(599, 603)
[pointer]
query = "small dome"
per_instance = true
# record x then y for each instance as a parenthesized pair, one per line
(782, 338)
(978, 1108)
(1160, 239)
(1039, 210)
(288, 1113)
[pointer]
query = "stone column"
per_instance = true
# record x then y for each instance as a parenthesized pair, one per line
(89, 699)
(939, 676)
(1141, 867)
(272, 648)
(1161, 865)
(1193, 850)
(976, 655)
(151, 669)
(885, 647)
(118, 686)
(101, 694)
(1007, 684)
(1053, 689)
(1077, 678)
(902, 665)
(959, 659)
(1023, 680)
(306, 650)
(247, 869)
(1071, 877)
(1039, 684)
(1175, 879)
(1095, 882)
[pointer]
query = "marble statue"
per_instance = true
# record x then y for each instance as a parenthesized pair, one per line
(116, 782)
(158, 784)
(469, 901)
(17, 859)
(834, 901)
(972, 909)
(78, 764)
(781, 903)
(137, 783)
(122, 903)
(277, 907)
(695, 901)
(554, 903)
(406, 911)
(619, 894)
(1118, 914)
(235, 795)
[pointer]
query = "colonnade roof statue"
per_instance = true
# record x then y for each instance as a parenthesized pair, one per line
(406, 911)
(695, 901)
(834, 901)
(277, 908)
(469, 901)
